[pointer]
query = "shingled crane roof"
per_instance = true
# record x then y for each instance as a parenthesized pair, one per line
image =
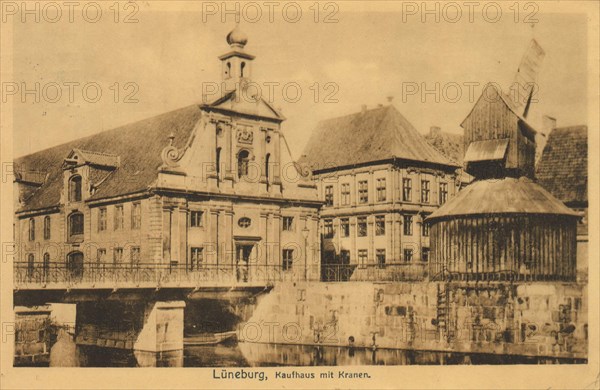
(372, 135)
(562, 168)
(502, 196)
(138, 146)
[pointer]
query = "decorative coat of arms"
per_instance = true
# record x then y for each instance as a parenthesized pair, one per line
(245, 136)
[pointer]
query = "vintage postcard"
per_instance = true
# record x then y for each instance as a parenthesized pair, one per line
(299, 194)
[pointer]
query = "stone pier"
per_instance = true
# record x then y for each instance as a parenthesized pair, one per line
(140, 326)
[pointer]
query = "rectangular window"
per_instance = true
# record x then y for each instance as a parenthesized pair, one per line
(380, 225)
(425, 229)
(196, 258)
(344, 257)
(408, 255)
(118, 255)
(425, 255)
(363, 191)
(362, 258)
(328, 228)
(288, 224)
(134, 255)
(443, 193)
(408, 225)
(288, 259)
(425, 191)
(345, 194)
(381, 191)
(118, 217)
(329, 196)
(407, 190)
(380, 257)
(101, 255)
(102, 219)
(46, 228)
(136, 215)
(345, 227)
(361, 226)
(196, 218)
(75, 224)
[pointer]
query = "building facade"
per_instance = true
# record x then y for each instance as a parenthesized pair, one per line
(562, 170)
(210, 189)
(379, 180)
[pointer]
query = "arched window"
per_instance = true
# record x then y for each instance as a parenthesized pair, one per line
(242, 66)
(75, 224)
(30, 264)
(75, 264)
(75, 189)
(31, 229)
(243, 160)
(267, 167)
(46, 228)
(228, 71)
(46, 265)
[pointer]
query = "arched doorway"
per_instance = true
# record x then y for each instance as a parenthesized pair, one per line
(75, 264)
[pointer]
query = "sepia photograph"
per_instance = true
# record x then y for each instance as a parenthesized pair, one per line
(319, 194)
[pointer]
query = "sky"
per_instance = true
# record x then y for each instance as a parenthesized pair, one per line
(367, 53)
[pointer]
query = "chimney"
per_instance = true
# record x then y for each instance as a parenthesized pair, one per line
(548, 123)
(363, 108)
(434, 131)
(389, 99)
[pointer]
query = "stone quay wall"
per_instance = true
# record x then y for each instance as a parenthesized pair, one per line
(531, 319)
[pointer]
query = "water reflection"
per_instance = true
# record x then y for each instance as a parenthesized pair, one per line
(269, 355)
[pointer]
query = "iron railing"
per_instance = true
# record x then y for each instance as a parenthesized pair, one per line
(391, 272)
(100, 275)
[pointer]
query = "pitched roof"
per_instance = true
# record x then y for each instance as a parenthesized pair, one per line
(562, 169)
(97, 158)
(138, 146)
(490, 91)
(502, 196)
(450, 145)
(373, 135)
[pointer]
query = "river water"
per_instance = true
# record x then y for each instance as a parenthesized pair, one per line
(234, 354)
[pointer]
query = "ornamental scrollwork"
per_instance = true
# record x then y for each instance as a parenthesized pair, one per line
(171, 155)
(245, 136)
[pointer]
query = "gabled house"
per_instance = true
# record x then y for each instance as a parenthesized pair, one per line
(379, 179)
(207, 186)
(563, 171)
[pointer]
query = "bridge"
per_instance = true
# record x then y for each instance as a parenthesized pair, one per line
(32, 276)
(146, 307)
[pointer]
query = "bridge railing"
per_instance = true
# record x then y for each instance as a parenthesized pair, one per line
(96, 275)
(102, 275)
(390, 272)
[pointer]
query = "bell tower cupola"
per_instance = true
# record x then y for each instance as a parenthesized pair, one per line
(236, 65)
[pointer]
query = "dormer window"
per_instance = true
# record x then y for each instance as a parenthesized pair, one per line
(75, 189)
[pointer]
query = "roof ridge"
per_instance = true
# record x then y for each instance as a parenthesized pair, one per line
(354, 114)
(87, 137)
